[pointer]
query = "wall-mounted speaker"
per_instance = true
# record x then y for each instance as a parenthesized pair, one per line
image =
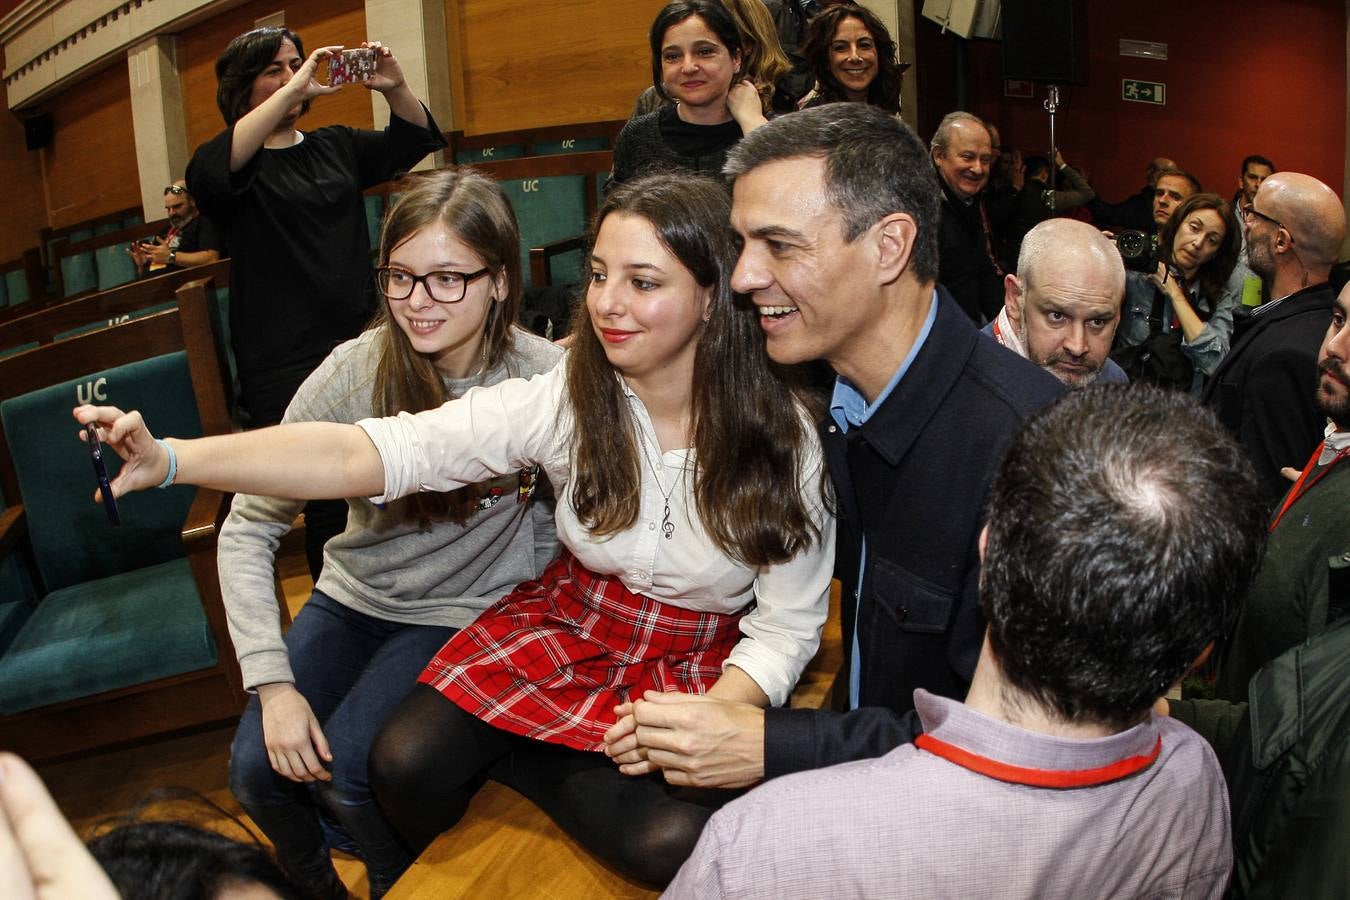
(1045, 41)
(37, 131)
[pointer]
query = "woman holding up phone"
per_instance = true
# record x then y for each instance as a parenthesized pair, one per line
(403, 576)
(697, 539)
(290, 205)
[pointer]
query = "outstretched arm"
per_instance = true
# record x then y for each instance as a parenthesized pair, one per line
(304, 460)
(389, 81)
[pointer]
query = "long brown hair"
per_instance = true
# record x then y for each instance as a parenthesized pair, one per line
(1213, 275)
(751, 434)
(764, 61)
(473, 208)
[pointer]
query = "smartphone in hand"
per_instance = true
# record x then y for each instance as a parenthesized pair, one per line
(101, 473)
(351, 66)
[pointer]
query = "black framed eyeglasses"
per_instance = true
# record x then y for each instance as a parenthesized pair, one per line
(1251, 210)
(443, 287)
(175, 189)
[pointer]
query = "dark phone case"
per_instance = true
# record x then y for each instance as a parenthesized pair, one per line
(101, 473)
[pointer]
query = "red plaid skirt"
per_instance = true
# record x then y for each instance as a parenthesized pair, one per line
(552, 659)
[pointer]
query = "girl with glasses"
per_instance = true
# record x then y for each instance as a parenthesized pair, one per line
(404, 575)
(697, 541)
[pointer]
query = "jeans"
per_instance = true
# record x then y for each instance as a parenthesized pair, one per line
(353, 670)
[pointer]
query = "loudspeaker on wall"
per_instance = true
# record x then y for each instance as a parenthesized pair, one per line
(1045, 41)
(37, 131)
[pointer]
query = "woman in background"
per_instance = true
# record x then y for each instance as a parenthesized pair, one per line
(853, 58)
(698, 63)
(1194, 289)
(289, 205)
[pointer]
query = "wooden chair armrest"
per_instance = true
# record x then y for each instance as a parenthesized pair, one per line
(13, 528)
(542, 255)
(204, 518)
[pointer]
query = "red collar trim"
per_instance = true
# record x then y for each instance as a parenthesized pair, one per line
(1048, 778)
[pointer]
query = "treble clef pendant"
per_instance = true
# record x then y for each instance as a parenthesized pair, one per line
(667, 526)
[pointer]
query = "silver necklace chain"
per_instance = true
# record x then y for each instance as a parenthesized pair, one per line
(667, 526)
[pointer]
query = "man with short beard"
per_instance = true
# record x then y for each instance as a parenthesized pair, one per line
(1260, 390)
(1288, 601)
(190, 240)
(1062, 307)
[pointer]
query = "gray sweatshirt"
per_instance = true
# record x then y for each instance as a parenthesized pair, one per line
(383, 565)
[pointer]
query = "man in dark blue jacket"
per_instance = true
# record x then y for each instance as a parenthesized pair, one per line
(839, 213)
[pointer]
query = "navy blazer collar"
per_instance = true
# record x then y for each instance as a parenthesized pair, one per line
(900, 420)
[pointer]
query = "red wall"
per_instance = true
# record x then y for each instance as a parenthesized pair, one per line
(1241, 78)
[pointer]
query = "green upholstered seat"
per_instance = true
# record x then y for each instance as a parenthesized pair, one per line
(29, 345)
(570, 145)
(114, 266)
(16, 287)
(78, 273)
(14, 613)
(487, 154)
(107, 323)
(121, 606)
(549, 209)
(72, 540)
(106, 634)
(374, 218)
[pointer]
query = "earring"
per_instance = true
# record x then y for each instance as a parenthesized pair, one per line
(707, 316)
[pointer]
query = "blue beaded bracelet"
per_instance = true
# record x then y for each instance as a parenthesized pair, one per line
(173, 465)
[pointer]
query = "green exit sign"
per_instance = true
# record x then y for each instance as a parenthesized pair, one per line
(1143, 91)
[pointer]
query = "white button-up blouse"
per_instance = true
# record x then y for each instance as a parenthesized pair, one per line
(502, 428)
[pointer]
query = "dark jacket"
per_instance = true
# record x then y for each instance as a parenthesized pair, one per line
(965, 267)
(1263, 390)
(914, 479)
(1289, 774)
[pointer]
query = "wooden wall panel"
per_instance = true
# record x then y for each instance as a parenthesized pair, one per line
(318, 22)
(91, 165)
(21, 186)
(549, 62)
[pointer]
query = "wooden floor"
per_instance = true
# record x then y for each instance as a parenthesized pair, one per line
(500, 848)
(106, 786)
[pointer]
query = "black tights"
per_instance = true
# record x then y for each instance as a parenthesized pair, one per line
(430, 757)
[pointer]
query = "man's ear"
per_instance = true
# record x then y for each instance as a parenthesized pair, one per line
(895, 235)
(1012, 299)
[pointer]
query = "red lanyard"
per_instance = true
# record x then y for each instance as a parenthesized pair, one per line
(1298, 490)
(998, 334)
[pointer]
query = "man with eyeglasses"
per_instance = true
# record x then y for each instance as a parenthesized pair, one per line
(1262, 391)
(190, 240)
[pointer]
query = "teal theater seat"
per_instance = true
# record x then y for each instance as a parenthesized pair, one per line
(488, 154)
(374, 219)
(16, 287)
(127, 636)
(78, 274)
(120, 606)
(549, 209)
(113, 266)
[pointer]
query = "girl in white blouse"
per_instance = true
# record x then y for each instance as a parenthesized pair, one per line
(697, 538)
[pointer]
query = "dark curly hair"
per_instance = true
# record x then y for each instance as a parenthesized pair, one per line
(884, 91)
